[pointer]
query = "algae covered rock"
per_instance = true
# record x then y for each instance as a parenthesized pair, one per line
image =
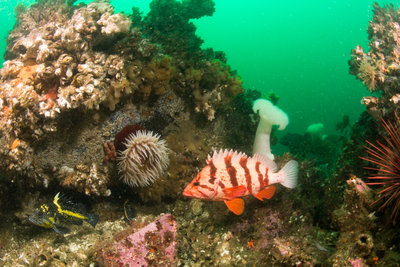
(154, 244)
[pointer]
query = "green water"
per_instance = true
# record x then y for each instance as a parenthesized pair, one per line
(298, 49)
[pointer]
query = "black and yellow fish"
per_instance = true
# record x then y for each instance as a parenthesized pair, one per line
(59, 212)
(128, 212)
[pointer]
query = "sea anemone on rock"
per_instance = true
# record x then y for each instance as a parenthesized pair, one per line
(144, 160)
(316, 130)
(269, 115)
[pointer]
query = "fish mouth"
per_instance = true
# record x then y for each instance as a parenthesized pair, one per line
(192, 192)
(189, 192)
(186, 193)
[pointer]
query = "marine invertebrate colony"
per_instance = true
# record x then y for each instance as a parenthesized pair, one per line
(144, 159)
(75, 61)
(387, 158)
(378, 68)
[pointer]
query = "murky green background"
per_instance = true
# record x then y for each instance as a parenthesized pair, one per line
(298, 49)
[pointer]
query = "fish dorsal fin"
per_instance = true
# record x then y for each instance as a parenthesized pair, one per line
(266, 193)
(234, 192)
(235, 205)
(62, 200)
(222, 153)
(269, 163)
(57, 197)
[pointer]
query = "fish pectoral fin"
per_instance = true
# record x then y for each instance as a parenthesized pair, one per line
(61, 229)
(236, 191)
(266, 193)
(93, 219)
(235, 205)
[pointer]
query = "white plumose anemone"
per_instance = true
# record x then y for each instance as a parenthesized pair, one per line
(144, 159)
(269, 115)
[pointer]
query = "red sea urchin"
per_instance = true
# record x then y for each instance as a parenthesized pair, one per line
(144, 159)
(387, 159)
(121, 137)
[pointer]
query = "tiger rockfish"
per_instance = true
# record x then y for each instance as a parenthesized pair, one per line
(230, 175)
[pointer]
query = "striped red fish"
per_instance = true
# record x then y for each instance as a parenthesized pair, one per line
(230, 175)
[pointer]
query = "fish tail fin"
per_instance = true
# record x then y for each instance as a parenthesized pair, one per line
(289, 174)
(93, 219)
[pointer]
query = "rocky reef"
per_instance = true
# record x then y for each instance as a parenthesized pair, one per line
(378, 68)
(375, 132)
(81, 80)
(154, 244)
(76, 75)
(355, 222)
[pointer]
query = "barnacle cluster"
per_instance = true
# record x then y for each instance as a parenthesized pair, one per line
(379, 68)
(53, 66)
(56, 58)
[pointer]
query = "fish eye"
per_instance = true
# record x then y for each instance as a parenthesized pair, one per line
(196, 183)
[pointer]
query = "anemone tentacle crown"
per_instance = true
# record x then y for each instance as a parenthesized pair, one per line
(144, 160)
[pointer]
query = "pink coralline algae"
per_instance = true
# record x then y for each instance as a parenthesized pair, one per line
(152, 245)
(357, 184)
(357, 262)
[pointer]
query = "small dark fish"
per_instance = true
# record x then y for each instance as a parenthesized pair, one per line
(343, 124)
(128, 212)
(59, 212)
